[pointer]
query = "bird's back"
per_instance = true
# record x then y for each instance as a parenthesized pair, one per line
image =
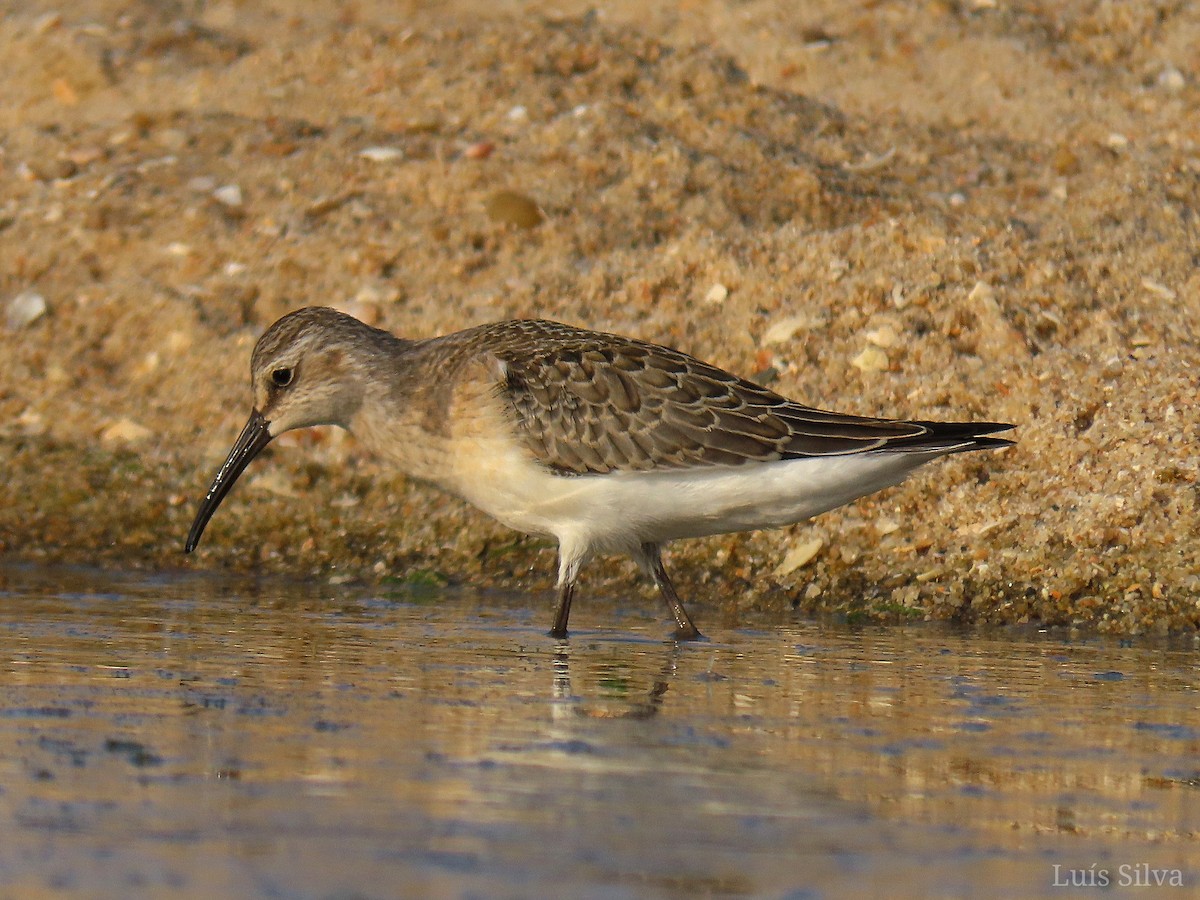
(587, 402)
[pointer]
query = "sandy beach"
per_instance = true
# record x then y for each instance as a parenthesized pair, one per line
(950, 210)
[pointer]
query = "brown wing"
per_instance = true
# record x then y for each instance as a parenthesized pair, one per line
(588, 402)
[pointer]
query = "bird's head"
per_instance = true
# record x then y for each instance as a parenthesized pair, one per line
(307, 369)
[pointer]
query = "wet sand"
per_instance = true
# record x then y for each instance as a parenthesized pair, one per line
(946, 210)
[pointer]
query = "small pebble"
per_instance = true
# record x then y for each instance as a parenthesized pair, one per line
(31, 423)
(202, 184)
(274, 482)
(173, 139)
(716, 294)
(47, 169)
(982, 292)
(481, 150)
(25, 309)
(871, 359)
(178, 342)
(512, 208)
(799, 555)
(228, 195)
(884, 336)
(63, 92)
(1157, 287)
(1171, 79)
(125, 431)
(1065, 161)
(364, 312)
(44, 24)
(148, 364)
(784, 330)
(872, 162)
(84, 156)
(382, 154)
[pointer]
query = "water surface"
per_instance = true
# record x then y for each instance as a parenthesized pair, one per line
(198, 737)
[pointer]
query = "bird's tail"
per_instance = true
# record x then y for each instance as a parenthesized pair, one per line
(952, 437)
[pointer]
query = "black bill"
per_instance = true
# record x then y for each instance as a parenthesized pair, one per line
(249, 444)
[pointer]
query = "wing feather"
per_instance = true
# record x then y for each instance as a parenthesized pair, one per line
(586, 402)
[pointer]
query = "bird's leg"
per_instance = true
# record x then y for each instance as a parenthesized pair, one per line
(571, 557)
(562, 612)
(685, 630)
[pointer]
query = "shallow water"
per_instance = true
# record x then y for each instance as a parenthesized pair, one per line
(197, 737)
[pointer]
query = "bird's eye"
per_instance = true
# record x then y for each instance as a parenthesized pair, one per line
(282, 377)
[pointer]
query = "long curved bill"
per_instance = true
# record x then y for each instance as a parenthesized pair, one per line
(249, 444)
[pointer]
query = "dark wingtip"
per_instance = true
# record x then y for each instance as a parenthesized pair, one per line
(987, 443)
(979, 428)
(990, 443)
(954, 437)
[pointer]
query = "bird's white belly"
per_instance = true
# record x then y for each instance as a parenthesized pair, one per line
(620, 511)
